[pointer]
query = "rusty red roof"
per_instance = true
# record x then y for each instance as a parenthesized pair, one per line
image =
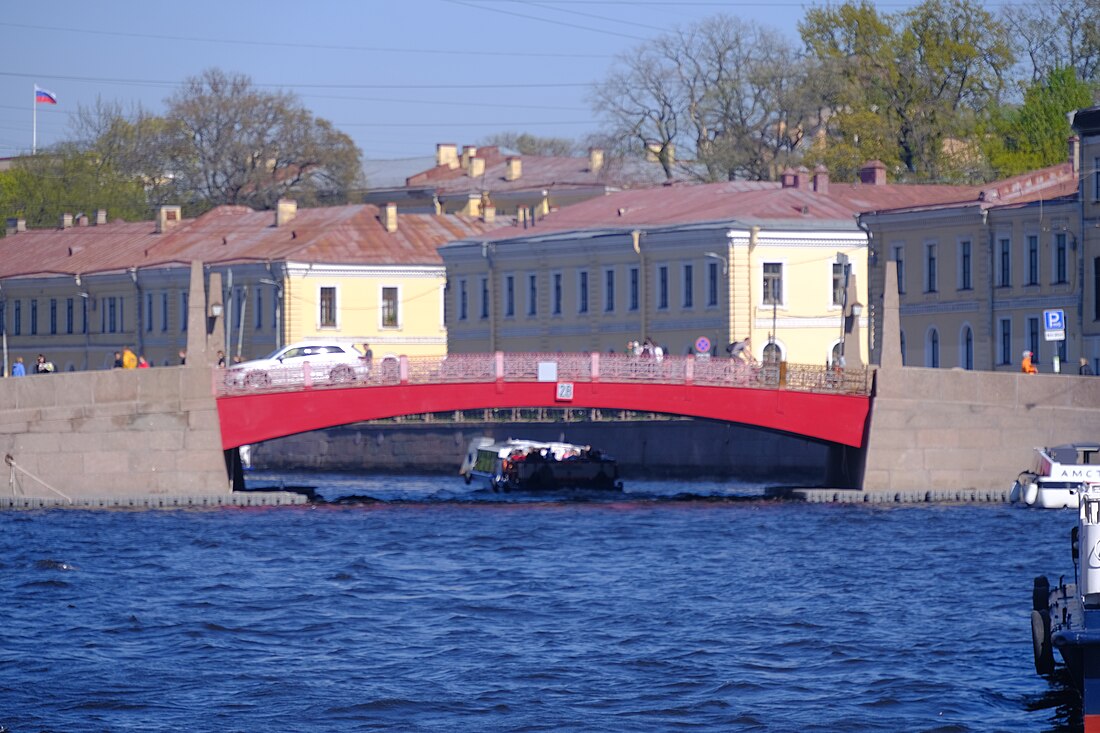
(353, 235)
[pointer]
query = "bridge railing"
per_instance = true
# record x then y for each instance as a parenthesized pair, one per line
(556, 367)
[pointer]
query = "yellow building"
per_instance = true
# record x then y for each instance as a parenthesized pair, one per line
(685, 266)
(86, 289)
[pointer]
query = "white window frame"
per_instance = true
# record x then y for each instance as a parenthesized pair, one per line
(335, 307)
(381, 307)
(609, 295)
(687, 290)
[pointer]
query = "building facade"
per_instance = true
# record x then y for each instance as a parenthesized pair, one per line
(83, 291)
(783, 264)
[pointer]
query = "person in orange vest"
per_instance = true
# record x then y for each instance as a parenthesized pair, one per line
(1026, 366)
(129, 358)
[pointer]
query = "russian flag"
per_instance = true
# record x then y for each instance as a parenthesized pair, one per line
(44, 97)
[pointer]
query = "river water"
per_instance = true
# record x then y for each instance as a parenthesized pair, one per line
(424, 605)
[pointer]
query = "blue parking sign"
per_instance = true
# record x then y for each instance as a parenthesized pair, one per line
(1055, 320)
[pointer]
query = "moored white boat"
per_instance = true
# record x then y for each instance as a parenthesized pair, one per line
(1059, 475)
(528, 465)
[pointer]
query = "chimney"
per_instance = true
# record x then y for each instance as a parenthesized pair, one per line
(1075, 153)
(488, 214)
(446, 154)
(595, 159)
(821, 179)
(16, 225)
(477, 167)
(66, 221)
(786, 178)
(82, 220)
(468, 151)
(514, 170)
(100, 217)
(389, 218)
(873, 173)
(285, 210)
(801, 177)
(167, 218)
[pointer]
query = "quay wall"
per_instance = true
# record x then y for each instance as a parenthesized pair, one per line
(132, 432)
(644, 449)
(947, 429)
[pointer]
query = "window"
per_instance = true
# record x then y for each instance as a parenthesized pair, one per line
(1060, 258)
(532, 295)
(772, 354)
(184, 312)
(34, 316)
(259, 307)
(966, 348)
(3, 317)
(17, 318)
(509, 296)
(1096, 179)
(1032, 260)
(84, 315)
(899, 258)
(772, 290)
(1004, 270)
(1096, 289)
(662, 287)
(838, 283)
(965, 281)
(112, 315)
(609, 291)
(326, 316)
(932, 349)
(390, 313)
(902, 335)
(68, 315)
(582, 292)
(557, 294)
(930, 268)
(634, 288)
(164, 311)
(1033, 338)
(1060, 347)
(689, 286)
(484, 297)
(53, 316)
(1005, 338)
(462, 301)
(712, 284)
(148, 314)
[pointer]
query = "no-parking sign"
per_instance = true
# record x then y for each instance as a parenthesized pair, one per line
(702, 345)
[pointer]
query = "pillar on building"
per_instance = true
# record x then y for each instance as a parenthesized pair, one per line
(196, 317)
(853, 309)
(215, 328)
(890, 353)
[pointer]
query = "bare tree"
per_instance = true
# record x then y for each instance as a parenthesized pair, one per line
(527, 144)
(1056, 34)
(235, 144)
(726, 94)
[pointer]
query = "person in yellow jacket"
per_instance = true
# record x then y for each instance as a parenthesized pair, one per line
(129, 358)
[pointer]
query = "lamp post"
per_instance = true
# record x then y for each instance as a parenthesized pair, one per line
(846, 270)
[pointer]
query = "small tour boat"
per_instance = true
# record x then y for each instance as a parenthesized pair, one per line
(1058, 476)
(528, 465)
(1066, 618)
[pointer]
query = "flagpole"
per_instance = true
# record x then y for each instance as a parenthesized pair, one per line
(34, 133)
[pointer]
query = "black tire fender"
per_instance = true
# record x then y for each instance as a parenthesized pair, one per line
(1040, 642)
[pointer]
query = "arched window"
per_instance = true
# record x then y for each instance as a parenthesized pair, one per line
(932, 349)
(772, 353)
(834, 355)
(966, 348)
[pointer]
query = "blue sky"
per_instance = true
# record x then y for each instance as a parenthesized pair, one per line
(398, 77)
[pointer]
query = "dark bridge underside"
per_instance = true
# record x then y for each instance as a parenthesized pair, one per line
(254, 418)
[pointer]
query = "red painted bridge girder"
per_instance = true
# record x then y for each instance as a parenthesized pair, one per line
(253, 418)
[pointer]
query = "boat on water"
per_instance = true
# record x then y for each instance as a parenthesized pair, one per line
(528, 465)
(1058, 476)
(1066, 618)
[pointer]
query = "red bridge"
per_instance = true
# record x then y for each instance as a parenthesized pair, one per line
(810, 401)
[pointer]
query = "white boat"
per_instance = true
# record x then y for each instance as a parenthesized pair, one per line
(1059, 475)
(528, 465)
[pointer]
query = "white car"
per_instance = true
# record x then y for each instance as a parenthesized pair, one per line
(329, 362)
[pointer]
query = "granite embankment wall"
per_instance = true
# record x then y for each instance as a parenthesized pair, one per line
(942, 429)
(116, 433)
(660, 448)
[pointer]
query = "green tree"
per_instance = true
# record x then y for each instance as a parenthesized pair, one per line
(67, 179)
(1034, 134)
(527, 144)
(928, 74)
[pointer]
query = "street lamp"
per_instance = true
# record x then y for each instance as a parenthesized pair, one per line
(842, 260)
